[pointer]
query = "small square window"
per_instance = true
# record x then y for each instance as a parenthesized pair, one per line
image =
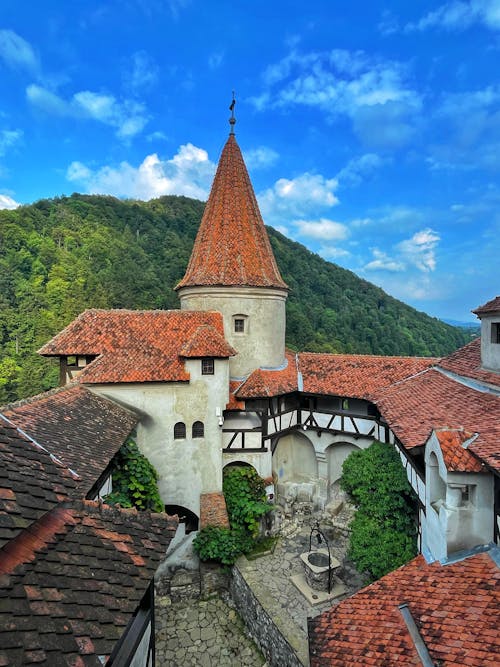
(495, 332)
(239, 326)
(207, 366)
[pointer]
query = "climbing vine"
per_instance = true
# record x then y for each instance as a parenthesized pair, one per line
(245, 496)
(134, 480)
(383, 533)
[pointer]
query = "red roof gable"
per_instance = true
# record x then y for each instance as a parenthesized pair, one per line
(207, 342)
(455, 607)
(415, 407)
(492, 306)
(232, 247)
(456, 457)
(138, 346)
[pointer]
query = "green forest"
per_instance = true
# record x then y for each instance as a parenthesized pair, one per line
(61, 256)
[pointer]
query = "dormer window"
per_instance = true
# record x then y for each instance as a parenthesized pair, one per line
(207, 366)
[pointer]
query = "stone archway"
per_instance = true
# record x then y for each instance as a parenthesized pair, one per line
(186, 516)
(294, 459)
(336, 454)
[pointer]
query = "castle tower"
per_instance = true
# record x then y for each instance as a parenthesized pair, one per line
(232, 269)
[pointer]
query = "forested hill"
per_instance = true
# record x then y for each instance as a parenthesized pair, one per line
(60, 256)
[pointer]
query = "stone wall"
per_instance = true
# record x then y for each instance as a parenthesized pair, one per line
(262, 626)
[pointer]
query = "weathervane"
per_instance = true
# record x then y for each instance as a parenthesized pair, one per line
(232, 120)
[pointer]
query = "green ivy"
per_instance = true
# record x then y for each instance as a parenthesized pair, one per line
(134, 480)
(245, 495)
(384, 529)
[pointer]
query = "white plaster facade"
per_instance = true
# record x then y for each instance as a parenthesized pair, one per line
(262, 343)
(458, 506)
(490, 341)
(189, 466)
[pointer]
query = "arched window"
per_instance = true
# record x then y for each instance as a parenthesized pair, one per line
(179, 431)
(198, 430)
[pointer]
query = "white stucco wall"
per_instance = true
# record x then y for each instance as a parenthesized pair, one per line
(263, 342)
(450, 526)
(185, 467)
(490, 352)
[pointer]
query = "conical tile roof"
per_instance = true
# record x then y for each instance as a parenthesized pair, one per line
(232, 247)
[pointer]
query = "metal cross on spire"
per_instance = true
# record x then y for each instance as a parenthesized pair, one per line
(232, 120)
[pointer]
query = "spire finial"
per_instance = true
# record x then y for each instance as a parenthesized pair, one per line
(232, 120)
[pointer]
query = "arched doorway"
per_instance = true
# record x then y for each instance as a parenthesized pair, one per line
(336, 454)
(186, 517)
(294, 459)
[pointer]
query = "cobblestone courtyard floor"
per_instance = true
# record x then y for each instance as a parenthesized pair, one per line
(210, 633)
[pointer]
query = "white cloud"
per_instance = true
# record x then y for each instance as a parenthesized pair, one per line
(420, 249)
(215, 59)
(460, 15)
(261, 157)
(188, 173)
(323, 229)
(371, 91)
(298, 197)
(7, 202)
(9, 138)
(143, 73)
(331, 252)
(16, 52)
(359, 168)
(127, 117)
(382, 262)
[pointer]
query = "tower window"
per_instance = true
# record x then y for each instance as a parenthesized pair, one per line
(198, 430)
(207, 366)
(495, 332)
(180, 431)
(239, 325)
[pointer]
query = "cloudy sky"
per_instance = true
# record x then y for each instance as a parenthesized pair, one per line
(371, 129)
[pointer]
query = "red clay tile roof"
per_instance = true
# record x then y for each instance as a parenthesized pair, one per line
(213, 510)
(455, 607)
(82, 429)
(207, 342)
(466, 361)
(73, 582)
(492, 306)
(234, 403)
(354, 375)
(32, 482)
(456, 457)
(431, 400)
(232, 247)
(263, 383)
(134, 346)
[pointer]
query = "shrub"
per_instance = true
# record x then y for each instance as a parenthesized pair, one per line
(245, 495)
(134, 480)
(384, 529)
(223, 545)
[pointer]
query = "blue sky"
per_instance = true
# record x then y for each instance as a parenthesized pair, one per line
(371, 130)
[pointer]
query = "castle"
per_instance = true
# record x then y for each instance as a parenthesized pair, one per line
(212, 384)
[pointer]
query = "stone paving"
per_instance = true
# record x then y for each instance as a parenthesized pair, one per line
(210, 633)
(202, 633)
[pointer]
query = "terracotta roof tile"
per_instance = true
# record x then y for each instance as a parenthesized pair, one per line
(32, 482)
(207, 342)
(232, 247)
(492, 306)
(466, 362)
(263, 383)
(134, 346)
(71, 606)
(455, 607)
(213, 510)
(455, 456)
(82, 429)
(234, 403)
(440, 402)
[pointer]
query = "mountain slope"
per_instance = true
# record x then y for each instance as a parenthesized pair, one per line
(60, 256)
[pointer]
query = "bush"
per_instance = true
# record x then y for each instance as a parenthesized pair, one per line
(134, 480)
(223, 545)
(384, 529)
